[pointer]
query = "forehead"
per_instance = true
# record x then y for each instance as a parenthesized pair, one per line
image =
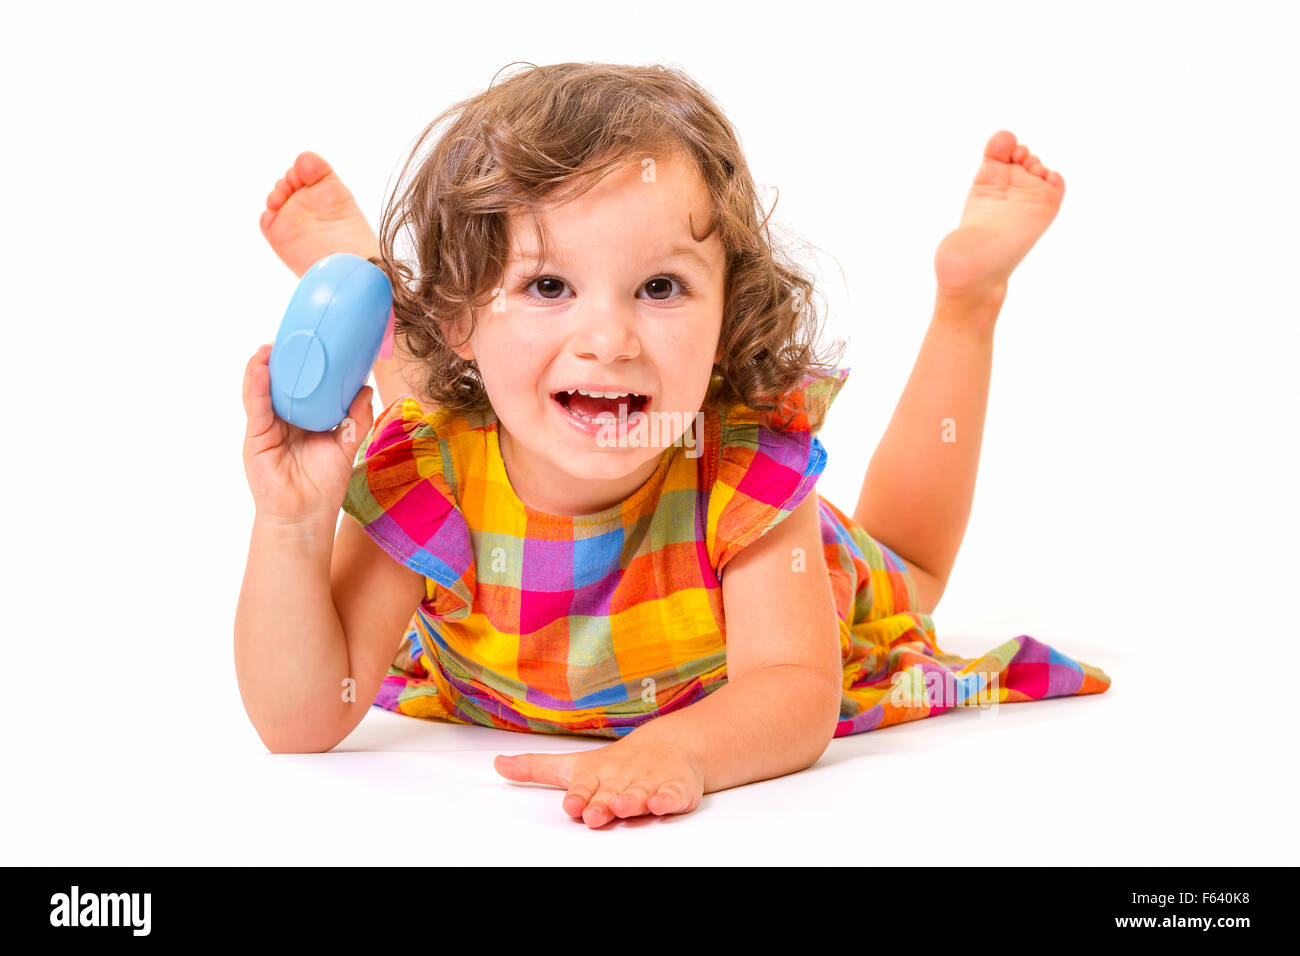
(652, 201)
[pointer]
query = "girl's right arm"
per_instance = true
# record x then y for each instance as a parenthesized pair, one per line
(319, 619)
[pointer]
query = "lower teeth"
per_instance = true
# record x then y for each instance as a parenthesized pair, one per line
(600, 419)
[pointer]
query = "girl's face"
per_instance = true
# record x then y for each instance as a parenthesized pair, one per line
(627, 302)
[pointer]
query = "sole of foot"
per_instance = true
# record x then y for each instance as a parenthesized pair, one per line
(311, 214)
(1012, 201)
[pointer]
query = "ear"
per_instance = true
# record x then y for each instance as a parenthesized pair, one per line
(455, 331)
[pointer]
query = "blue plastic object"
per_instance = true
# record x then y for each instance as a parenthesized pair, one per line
(340, 316)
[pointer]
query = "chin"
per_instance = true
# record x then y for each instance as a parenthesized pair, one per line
(602, 465)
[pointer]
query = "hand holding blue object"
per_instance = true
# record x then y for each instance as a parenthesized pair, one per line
(339, 321)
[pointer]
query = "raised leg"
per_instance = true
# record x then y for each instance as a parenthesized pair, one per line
(311, 214)
(917, 494)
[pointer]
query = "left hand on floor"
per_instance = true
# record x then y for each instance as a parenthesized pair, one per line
(628, 778)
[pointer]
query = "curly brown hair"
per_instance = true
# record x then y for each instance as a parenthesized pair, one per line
(545, 135)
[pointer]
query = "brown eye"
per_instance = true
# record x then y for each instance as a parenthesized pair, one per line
(657, 285)
(549, 287)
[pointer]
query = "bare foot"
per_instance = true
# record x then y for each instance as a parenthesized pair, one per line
(310, 214)
(1012, 202)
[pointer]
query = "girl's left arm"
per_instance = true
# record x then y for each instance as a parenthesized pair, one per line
(781, 703)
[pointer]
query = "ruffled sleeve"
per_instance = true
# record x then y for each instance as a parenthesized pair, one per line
(765, 465)
(402, 492)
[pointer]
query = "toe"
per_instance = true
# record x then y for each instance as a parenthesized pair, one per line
(311, 168)
(1000, 145)
(1019, 153)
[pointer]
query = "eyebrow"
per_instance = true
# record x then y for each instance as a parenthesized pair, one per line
(676, 252)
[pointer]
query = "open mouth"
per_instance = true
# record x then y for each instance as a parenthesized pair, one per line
(592, 406)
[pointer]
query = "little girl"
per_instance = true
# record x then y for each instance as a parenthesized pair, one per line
(588, 505)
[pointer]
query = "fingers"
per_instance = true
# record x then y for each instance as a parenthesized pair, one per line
(611, 800)
(589, 799)
(257, 393)
(672, 797)
(597, 812)
(631, 802)
(579, 795)
(600, 791)
(598, 802)
(550, 769)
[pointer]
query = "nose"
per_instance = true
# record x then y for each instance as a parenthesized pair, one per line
(606, 332)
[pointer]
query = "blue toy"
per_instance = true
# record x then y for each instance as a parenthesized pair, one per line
(339, 321)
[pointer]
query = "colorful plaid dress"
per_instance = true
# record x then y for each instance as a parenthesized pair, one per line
(594, 624)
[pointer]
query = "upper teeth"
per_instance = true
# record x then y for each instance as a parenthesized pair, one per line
(583, 391)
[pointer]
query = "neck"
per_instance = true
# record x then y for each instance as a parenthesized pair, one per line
(545, 487)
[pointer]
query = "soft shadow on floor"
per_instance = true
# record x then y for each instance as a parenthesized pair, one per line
(384, 731)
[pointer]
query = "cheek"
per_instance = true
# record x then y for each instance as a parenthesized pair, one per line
(690, 346)
(516, 340)
(511, 370)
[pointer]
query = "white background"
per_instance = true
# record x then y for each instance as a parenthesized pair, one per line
(1135, 506)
